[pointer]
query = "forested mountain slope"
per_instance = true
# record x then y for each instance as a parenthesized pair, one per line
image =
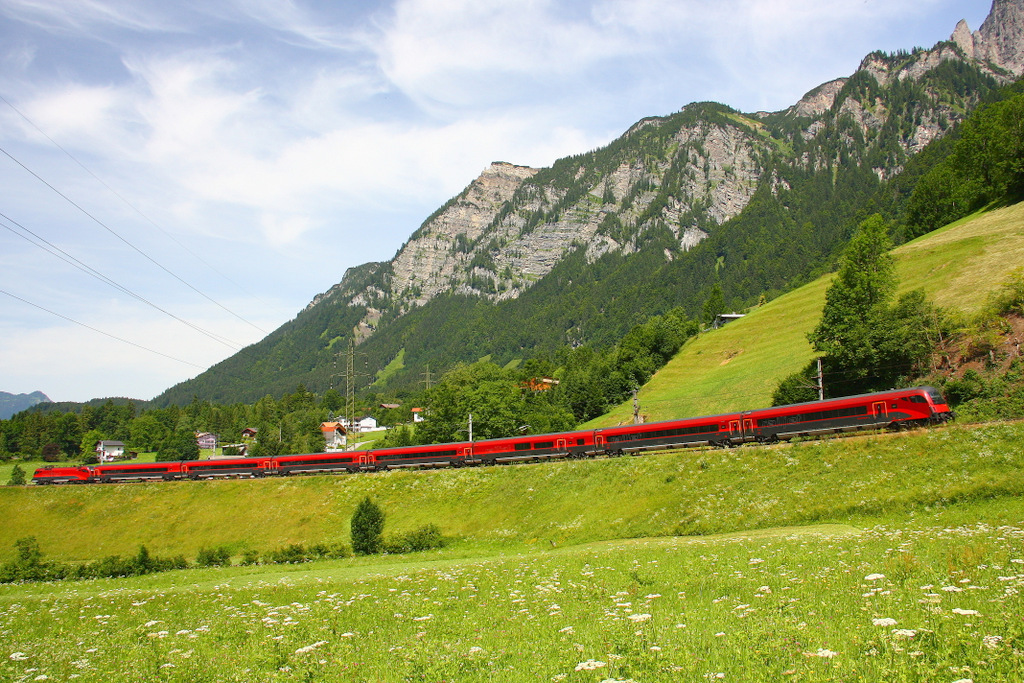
(737, 367)
(702, 203)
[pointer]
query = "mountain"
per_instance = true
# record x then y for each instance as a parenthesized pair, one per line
(704, 202)
(11, 404)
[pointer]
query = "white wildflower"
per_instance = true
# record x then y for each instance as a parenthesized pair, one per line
(19, 656)
(310, 648)
(884, 621)
(992, 642)
(966, 612)
(874, 577)
(639, 617)
(904, 632)
(590, 665)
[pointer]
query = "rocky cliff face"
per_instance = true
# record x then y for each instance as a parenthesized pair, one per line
(513, 224)
(704, 200)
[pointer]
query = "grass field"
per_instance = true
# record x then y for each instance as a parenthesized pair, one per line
(921, 603)
(496, 509)
(882, 557)
(738, 366)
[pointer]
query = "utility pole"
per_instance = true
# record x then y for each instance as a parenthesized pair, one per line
(471, 427)
(821, 381)
(426, 377)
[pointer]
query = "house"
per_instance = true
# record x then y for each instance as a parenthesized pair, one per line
(417, 414)
(108, 451)
(723, 318)
(367, 424)
(206, 440)
(363, 424)
(335, 435)
(540, 383)
(249, 434)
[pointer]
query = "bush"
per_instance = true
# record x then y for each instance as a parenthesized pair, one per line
(51, 453)
(218, 556)
(290, 554)
(367, 528)
(426, 537)
(28, 564)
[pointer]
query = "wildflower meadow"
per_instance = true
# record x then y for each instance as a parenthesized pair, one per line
(870, 559)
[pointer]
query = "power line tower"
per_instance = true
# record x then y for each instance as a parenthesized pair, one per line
(350, 383)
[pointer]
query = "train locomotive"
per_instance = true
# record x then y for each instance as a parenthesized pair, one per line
(897, 409)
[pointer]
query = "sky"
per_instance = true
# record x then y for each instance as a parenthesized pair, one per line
(178, 179)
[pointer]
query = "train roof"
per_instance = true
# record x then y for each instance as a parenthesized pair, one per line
(874, 394)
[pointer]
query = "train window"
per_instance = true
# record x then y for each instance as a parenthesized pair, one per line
(917, 399)
(664, 433)
(522, 446)
(544, 444)
(580, 442)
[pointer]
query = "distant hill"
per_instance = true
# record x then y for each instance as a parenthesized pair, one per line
(11, 404)
(704, 200)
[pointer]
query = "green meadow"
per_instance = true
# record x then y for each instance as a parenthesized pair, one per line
(881, 557)
(738, 366)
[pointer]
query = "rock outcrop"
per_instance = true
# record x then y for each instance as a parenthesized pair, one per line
(513, 224)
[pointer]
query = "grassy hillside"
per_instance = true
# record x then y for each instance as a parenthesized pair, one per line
(739, 365)
(543, 505)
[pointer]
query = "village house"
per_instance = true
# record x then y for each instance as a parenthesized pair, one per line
(206, 440)
(109, 451)
(335, 435)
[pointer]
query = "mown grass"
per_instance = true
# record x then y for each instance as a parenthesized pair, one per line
(738, 366)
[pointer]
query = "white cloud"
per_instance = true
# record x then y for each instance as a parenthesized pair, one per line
(86, 15)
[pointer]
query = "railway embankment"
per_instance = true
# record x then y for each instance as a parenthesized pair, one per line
(860, 481)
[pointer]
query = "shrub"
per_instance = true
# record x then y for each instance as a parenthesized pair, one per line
(367, 528)
(218, 556)
(51, 453)
(426, 537)
(290, 554)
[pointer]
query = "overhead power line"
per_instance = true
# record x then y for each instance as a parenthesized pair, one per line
(106, 334)
(138, 211)
(122, 239)
(92, 272)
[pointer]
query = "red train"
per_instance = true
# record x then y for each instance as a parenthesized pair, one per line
(887, 409)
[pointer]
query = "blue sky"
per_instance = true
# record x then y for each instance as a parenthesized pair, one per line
(204, 168)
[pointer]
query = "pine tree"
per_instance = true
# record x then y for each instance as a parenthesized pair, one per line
(17, 476)
(868, 342)
(367, 528)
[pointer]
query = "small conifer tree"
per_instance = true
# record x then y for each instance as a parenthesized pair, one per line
(367, 528)
(17, 476)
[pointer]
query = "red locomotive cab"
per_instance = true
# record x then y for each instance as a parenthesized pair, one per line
(939, 408)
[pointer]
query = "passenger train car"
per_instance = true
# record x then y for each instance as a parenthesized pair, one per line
(896, 409)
